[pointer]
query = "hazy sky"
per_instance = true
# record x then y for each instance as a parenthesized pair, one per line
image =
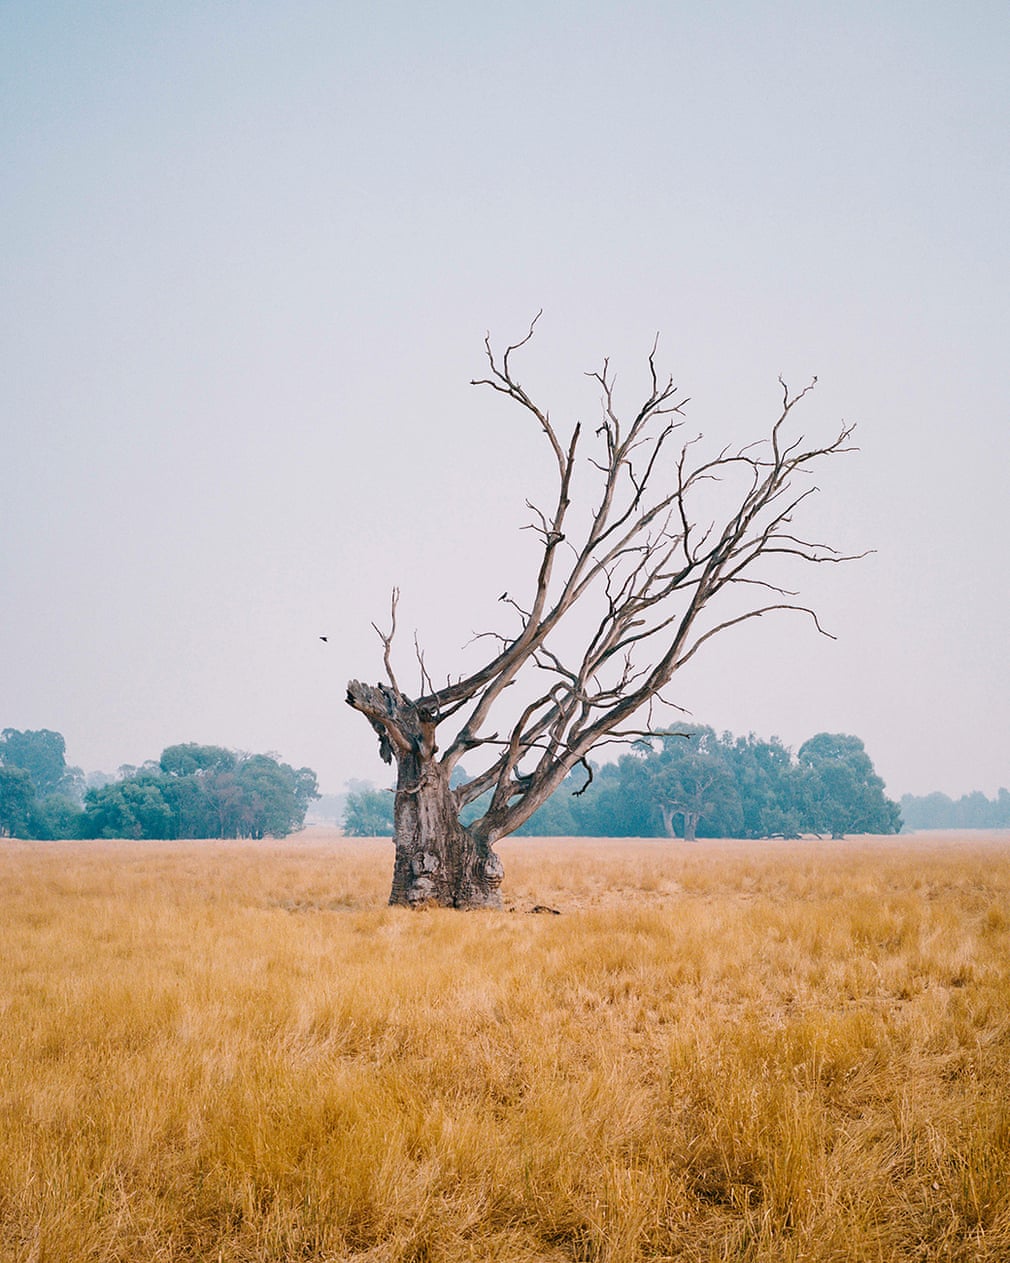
(250, 253)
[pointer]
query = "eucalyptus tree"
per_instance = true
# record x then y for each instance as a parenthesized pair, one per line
(42, 754)
(840, 790)
(671, 548)
(690, 777)
(17, 794)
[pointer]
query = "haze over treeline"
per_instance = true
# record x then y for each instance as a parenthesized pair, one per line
(695, 782)
(970, 811)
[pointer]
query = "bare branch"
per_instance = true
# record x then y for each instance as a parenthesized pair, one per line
(426, 684)
(589, 778)
(742, 618)
(387, 641)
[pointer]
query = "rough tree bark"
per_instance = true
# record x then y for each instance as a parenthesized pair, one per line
(643, 573)
(438, 860)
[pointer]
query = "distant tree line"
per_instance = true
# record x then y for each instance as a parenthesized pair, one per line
(695, 784)
(970, 811)
(192, 791)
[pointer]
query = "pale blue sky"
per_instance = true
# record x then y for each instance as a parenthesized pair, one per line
(250, 252)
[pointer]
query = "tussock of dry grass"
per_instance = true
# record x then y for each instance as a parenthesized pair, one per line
(755, 1052)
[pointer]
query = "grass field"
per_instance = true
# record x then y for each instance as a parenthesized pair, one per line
(727, 1051)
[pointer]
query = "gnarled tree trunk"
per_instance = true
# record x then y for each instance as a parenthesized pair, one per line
(438, 859)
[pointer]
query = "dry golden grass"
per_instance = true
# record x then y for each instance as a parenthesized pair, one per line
(754, 1052)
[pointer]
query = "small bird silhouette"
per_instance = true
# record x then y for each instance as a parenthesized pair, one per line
(325, 639)
(503, 597)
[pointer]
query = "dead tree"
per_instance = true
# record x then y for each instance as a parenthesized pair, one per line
(644, 568)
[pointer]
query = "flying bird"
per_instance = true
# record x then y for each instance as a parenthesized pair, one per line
(325, 639)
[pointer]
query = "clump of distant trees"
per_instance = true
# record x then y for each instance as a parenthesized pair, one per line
(192, 791)
(694, 783)
(40, 796)
(970, 811)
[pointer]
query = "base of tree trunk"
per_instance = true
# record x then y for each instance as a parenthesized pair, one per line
(438, 860)
(419, 881)
(445, 877)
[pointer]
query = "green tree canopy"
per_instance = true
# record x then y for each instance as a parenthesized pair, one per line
(17, 793)
(840, 791)
(690, 777)
(191, 758)
(368, 812)
(697, 783)
(131, 808)
(199, 791)
(42, 754)
(273, 796)
(766, 784)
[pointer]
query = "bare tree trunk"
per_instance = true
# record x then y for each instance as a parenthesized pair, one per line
(668, 814)
(438, 859)
(691, 819)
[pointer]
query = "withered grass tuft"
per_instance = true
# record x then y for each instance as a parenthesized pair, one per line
(754, 1052)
